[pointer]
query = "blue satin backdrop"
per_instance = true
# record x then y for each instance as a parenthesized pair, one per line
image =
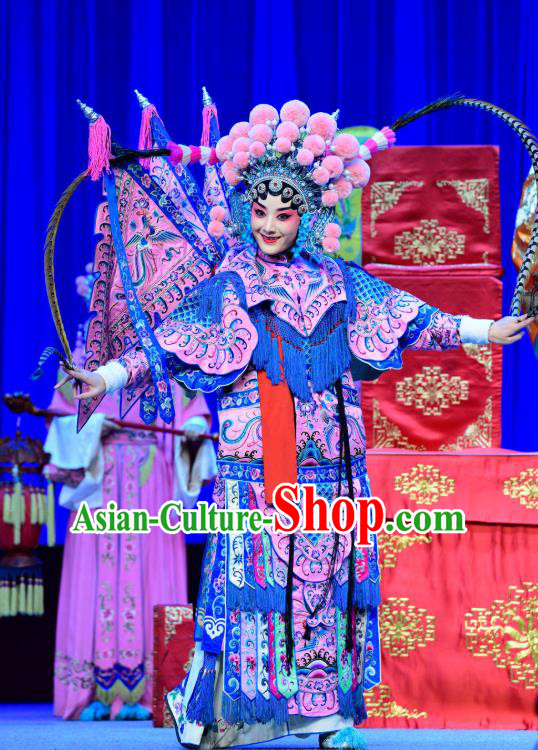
(374, 60)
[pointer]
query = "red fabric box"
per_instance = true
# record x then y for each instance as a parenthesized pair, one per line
(173, 649)
(432, 205)
(459, 612)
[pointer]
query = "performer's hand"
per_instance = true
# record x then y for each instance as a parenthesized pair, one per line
(96, 382)
(509, 329)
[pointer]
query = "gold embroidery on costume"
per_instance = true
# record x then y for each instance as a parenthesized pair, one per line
(387, 434)
(483, 354)
(524, 488)
(379, 702)
(508, 633)
(429, 242)
(424, 484)
(384, 196)
(472, 193)
(476, 435)
(432, 390)
(390, 545)
(404, 627)
(174, 616)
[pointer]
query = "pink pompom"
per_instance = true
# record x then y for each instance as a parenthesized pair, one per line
(345, 146)
(288, 130)
(257, 148)
(314, 143)
(390, 135)
(230, 173)
(240, 159)
(215, 228)
(321, 176)
(322, 124)
(283, 145)
(295, 111)
(261, 133)
(333, 230)
(262, 114)
(329, 198)
(217, 213)
(358, 173)
(240, 130)
(240, 144)
(330, 244)
(343, 187)
(304, 157)
(334, 165)
(224, 147)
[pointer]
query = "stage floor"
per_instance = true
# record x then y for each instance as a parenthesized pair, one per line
(33, 727)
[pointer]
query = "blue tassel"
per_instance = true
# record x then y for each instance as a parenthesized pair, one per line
(345, 700)
(263, 709)
(295, 371)
(201, 705)
(210, 293)
(360, 709)
(230, 709)
(264, 598)
(279, 709)
(324, 356)
(351, 292)
(347, 738)
(247, 709)
(365, 594)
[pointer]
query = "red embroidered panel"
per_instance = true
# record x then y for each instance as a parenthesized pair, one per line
(458, 612)
(173, 634)
(432, 205)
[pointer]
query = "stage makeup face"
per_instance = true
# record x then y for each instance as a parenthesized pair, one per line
(274, 224)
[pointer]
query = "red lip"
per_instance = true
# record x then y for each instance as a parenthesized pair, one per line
(269, 240)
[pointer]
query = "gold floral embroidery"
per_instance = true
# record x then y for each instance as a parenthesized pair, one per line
(424, 484)
(384, 196)
(483, 354)
(524, 488)
(174, 616)
(387, 434)
(404, 627)
(508, 633)
(390, 545)
(476, 435)
(472, 193)
(429, 242)
(379, 702)
(431, 390)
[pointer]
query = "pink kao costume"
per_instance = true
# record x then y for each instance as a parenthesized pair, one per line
(286, 625)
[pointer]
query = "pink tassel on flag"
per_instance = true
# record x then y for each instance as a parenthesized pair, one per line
(145, 140)
(208, 110)
(99, 148)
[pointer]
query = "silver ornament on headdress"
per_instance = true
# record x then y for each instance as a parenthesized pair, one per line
(142, 100)
(272, 174)
(89, 113)
(206, 98)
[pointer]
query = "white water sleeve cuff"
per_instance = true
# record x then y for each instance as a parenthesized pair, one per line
(474, 330)
(196, 424)
(114, 374)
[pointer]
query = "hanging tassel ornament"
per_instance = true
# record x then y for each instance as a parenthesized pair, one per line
(51, 520)
(145, 138)
(17, 506)
(99, 142)
(208, 111)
